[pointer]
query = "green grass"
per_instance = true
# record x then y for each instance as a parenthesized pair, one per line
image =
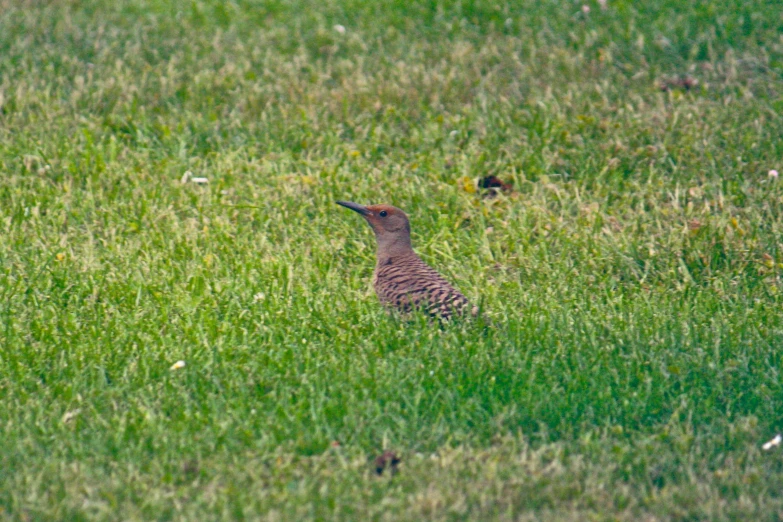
(633, 276)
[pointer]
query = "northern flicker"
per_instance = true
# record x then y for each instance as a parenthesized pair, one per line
(401, 279)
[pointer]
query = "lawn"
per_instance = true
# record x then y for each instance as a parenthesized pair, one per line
(632, 274)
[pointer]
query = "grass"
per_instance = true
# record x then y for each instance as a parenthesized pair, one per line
(633, 275)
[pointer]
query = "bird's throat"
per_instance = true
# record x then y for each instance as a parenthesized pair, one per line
(392, 247)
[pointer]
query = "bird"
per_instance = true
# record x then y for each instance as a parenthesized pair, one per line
(402, 281)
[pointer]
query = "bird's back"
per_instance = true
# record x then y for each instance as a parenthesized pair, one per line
(406, 282)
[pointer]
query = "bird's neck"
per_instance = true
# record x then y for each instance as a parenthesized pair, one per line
(393, 247)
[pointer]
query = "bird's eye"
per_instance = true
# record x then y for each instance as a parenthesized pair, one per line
(384, 213)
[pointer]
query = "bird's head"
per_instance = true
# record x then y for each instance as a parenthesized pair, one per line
(390, 224)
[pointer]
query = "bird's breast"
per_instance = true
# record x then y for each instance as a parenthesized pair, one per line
(405, 283)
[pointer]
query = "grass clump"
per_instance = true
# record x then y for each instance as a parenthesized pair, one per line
(633, 273)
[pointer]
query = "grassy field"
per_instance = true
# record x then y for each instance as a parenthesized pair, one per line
(633, 274)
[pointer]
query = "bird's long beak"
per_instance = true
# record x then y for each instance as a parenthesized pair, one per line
(361, 209)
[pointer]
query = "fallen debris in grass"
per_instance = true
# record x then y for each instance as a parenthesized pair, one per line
(684, 82)
(190, 467)
(188, 176)
(177, 365)
(774, 442)
(491, 184)
(70, 415)
(387, 460)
